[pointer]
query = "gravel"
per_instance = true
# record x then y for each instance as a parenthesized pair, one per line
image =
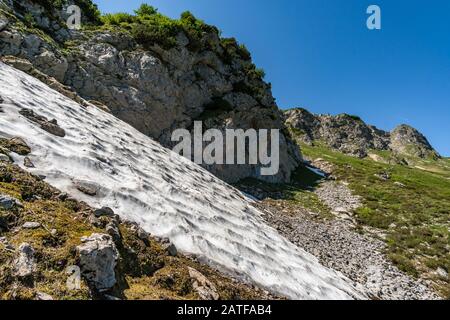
(338, 246)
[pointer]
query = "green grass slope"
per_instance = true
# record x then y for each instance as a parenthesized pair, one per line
(411, 207)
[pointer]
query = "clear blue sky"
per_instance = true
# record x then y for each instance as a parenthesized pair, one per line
(319, 54)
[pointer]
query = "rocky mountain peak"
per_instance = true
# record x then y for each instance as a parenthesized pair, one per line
(346, 133)
(408, 140)
(350, 134)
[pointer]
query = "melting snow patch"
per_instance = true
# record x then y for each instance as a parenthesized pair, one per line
(167, 195)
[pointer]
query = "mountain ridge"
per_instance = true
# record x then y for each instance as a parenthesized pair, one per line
(351, 135)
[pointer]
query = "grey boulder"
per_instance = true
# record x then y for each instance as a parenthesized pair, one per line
(98, 259)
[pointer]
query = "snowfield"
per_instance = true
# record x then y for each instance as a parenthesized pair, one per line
(168, 195)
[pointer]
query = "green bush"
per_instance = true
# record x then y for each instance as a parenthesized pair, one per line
(148, 27)
(235, 50)
(117, 19)
(50, 4)
(28, 19)
(260, 73)
(244, 53)
(356, 118)
(145, 10)
(156, 29)
(195, 29)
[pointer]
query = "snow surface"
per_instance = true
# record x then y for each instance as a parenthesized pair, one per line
(168, 195)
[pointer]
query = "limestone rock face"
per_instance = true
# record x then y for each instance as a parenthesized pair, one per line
(17, 42)
(98, 259)
(154, 89)
(159, 91)
(351, 135)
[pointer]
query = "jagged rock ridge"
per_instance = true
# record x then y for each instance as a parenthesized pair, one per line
(349, 134)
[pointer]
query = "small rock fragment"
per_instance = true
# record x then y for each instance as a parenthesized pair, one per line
(18, 145)
(168, 246)
(49, 126)
(31, 225)
(62, 196)
(4, 158)
(28, 163)
(113, 231)
(24, 264)
(43, 296)
(104, 211)
(53, 128)
(4, 226)
(3, 24)
(442, 273)
(87, 188)
(5, 243)
(96, 222)
(142, 234)
(384, 176)
(172, 250)
(8, 203)
(205, 288)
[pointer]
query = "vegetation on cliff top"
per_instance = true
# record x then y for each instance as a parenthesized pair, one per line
(149, 27)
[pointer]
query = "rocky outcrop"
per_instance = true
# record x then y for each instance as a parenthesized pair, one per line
(158, 91)
(24, 265)
(205, 288)
(8, 203)
(153, 88)
(51, 126)
(15, 144)
(26, 66)
(407, 140)
(18, 40)
(98, 259)
(350, 135)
